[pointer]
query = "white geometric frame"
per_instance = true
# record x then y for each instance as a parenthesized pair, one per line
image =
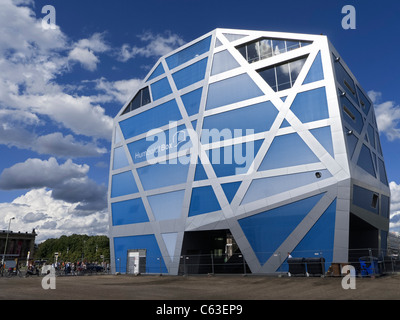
(338, 186)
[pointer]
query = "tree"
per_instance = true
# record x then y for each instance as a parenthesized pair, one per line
(74, 248)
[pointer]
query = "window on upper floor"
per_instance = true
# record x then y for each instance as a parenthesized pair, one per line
(283, 75)
(141, 98)
(267, 47)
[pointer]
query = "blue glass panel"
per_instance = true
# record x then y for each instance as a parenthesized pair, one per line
(324, 136)
(371, 135)
(233, 160)
(384, 241)
(320, 238)
(365, 105)
(285, 124)
(223, 61)
(150, 119)
(161, 144)
(266, 187)
(148, 242)
(167, 206)
(365, 160)
(130, 211)
(191, 74)
(267, 230)
(192, 100)
(160, 89)
(200, 173)
(230, 189)
(120, 159)
(351, 115)
(315, 73)
(163, 174)
(378, 142)
(157, 72)
(123, 184)
(352, 141)
(258, 117)
(203, 200)
(282, 149)
(345, 80)
(382, 172)
(311, 105)
(385, 206)
(232, 90)
(189, 53)
(363, 198)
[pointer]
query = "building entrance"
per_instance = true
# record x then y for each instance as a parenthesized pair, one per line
(213, 251)
(136, 261)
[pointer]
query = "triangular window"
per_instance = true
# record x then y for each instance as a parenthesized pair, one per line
(141, 98)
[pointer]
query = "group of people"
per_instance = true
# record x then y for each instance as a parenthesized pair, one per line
(79, 267)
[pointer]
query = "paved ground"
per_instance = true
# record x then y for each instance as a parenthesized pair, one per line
(219, 287)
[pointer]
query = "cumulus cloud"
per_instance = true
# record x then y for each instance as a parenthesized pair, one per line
(68, 182)
(32, 59)
(37, 173)
(387, 116)
(394, 207)
(156, 45)
(55, 144)
(84, 51)
(51, 218)
(119, 90)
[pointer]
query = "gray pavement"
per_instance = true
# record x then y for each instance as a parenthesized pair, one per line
(218, 287)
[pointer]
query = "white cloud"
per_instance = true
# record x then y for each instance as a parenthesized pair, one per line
(31, 59)
(69, 182)
(86, 57)
(37, 173)
(84, 51)
(118, 90)
(394, 206)
(387, 116)
(157, 45)
(50, 218)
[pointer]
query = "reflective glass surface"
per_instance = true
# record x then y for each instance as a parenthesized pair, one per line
(365, 160)
(167, 206)
(150, 119)
(311, 105)
(198, 205)
(120, 159)
(282, 149)
(266, 187)
(316, 72)
(127, 212)
(188, 53)
(163, 174)
(267, 230)
(232, 90)
(223, 61)
(123, 184)
(191, 74)
(160, 89)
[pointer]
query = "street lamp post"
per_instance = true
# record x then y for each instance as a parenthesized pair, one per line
(5, 246)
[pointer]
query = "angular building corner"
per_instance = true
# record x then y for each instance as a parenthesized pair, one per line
(242, 146)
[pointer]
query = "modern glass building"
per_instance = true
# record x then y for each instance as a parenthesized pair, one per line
(243, 146)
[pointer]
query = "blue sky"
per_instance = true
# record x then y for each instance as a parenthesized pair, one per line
(60, 89)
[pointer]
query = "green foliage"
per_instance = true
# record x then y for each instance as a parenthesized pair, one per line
(75, 247)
